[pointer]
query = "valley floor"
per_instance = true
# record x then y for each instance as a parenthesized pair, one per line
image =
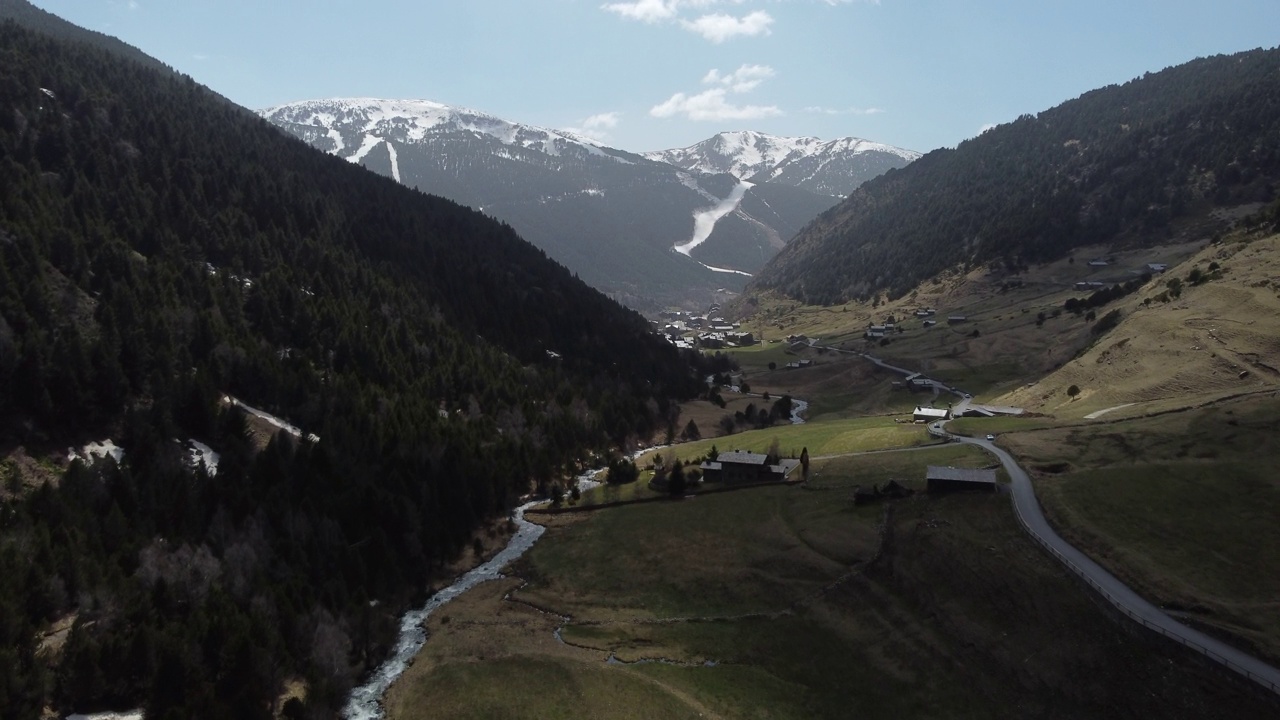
(793, 602)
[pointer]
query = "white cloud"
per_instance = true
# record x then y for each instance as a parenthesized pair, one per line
(650, 11)
(695, 16)
(711, 105)
(986, 127)
(719, 27)
(744, 79)
(597, 126)
(603, 120)
(819, 110)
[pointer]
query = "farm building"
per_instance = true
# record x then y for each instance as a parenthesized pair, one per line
(746, 467)
(928, 414)
(949, 479)
(957, 319)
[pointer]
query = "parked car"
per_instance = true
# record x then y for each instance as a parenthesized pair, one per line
(991, 437)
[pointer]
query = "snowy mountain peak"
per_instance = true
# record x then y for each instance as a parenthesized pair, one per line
(833, 167)
(357, 122)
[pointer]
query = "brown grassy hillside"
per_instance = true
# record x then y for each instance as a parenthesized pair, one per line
(1218, 338)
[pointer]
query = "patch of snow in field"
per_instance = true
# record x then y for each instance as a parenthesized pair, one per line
(1100, 413)
(97, 450)
(131, 715)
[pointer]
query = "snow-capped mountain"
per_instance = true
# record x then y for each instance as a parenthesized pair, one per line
(642, 230)
(827, 167)
(354, 127)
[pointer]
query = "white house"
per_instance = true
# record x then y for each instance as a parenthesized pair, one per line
(928, 414)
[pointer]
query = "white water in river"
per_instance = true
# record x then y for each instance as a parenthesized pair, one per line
(366, 700)
(797, 407)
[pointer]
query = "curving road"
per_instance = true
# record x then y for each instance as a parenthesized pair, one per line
(1027, 509)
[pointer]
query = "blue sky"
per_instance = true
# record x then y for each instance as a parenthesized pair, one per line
(656, 74)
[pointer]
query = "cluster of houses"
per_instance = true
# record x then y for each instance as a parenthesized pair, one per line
(879, 331)
(1154, 268)
(686, 330)
(891, 326)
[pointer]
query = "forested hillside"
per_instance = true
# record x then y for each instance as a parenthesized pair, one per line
(160, 248)
(1123, 165)
(32, 17)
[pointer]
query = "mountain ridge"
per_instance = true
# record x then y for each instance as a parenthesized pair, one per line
(831, 167)
(161, 250)
(1127, 165)
(609, 215)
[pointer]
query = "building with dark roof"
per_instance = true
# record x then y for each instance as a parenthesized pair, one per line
(746, 467)
(951, 479)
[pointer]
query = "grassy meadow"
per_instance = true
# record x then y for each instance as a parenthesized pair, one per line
(825, 438)
(1182, 506)
(790, 602)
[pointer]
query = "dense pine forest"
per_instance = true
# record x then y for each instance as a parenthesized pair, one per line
(161, 248)
(1127, 165)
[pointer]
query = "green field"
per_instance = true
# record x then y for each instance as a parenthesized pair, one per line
(907, 468)
(973, 427)
(790, 602)
(827, 438)
(1183, 507)
(527, 687)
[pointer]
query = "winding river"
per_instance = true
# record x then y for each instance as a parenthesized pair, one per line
(365, 702)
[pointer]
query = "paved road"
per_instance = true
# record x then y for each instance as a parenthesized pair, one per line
(1027, 508)
(1125, 599)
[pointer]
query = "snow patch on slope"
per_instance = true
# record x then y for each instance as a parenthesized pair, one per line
(96, 450)
(369, 143)
(198, 452)
(416, 121)
(728, 271)
(746, 154)
(338, 144)
(395, 161)
(704, 221)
